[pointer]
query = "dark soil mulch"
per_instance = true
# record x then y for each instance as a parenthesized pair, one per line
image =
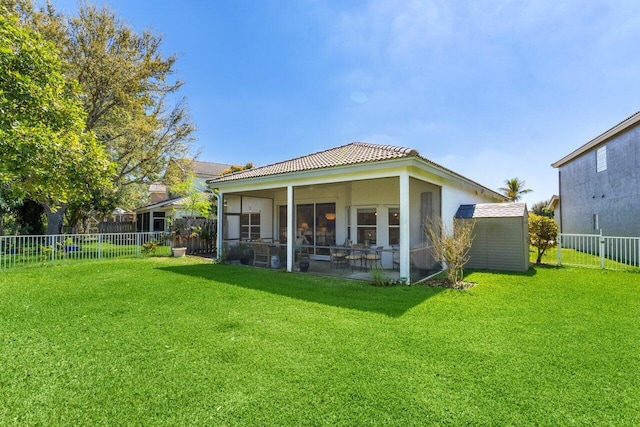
(443, 282)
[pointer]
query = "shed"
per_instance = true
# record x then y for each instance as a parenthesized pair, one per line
(501, 236)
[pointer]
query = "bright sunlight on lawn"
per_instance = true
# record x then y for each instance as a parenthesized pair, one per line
(182, 342)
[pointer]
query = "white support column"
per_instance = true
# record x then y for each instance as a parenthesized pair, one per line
(291, 235)
(219, 230)
(405, 227)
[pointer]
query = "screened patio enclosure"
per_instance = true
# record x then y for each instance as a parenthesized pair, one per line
(368, 202)
(333, 216)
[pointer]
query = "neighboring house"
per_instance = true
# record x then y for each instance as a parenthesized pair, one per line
(155, 216)
(600, 183)
(371, 194)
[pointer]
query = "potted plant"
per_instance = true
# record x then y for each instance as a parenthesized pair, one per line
(177, 227)
(246, 254)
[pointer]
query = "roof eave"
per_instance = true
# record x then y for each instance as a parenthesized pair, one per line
(619, 128)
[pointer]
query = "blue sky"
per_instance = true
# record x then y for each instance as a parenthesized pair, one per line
(491, 89)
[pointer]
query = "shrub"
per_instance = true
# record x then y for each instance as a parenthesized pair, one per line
(543, 234)
(149, 247)
(451, 247)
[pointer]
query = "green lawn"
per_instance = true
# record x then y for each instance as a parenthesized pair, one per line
(165, 341)
(571, 257)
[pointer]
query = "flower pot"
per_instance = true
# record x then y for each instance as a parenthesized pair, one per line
(304, 266)
(178, 252)
(275, 261)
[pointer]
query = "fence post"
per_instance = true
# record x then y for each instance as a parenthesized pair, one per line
(54, 247)
(100, 246)
(138, 245)
(601, 250)
(559, 249)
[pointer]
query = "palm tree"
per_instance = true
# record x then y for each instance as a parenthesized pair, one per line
(514, 189)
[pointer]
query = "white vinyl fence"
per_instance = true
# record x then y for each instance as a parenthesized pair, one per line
(596, 250)
(26, 251)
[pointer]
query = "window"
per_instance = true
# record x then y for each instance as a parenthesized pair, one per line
(366, 226)
(601, 159)
(250, 226)
(394, 226)
(596, 222)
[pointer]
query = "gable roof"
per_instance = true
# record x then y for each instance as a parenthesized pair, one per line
(208, 170)
(603, 137)
(176, 201)
(492, 210)
(345, 155)
(203, 170)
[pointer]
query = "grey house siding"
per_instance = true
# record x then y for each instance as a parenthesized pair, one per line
(501, 239)
(613, 195)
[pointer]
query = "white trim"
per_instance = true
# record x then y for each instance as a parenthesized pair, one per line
(291, 236)
(219, 222)
(405, 227)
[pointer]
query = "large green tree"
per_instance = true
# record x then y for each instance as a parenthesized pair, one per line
(47, 155)
(127, 84)
(514, 188)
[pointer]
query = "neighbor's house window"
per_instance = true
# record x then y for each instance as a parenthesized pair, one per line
(394, 226)
(601, 159)
(250, 226)
(596, 222)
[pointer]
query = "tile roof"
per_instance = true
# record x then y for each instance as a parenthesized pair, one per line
(492, 210)
(349, 154)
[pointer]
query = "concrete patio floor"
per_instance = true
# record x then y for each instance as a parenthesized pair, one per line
(325, 268)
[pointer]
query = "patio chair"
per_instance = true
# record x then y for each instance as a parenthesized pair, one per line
(395, 255)
(261, 255)
(354, 257)
(374, 257)
(337, 257)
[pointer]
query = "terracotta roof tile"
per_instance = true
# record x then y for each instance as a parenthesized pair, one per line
(350, 154)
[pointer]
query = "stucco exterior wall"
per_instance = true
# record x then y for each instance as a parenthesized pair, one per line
(612, 194)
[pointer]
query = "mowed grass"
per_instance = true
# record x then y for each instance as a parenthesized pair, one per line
(163, 341)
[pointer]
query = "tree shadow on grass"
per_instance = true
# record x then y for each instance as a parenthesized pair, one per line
(391, 301)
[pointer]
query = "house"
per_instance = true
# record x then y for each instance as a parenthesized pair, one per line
(501, 236)
(162, 206)
(373, 195)
(600, 183)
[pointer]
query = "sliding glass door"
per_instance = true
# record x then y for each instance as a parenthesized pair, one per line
(316, 222)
